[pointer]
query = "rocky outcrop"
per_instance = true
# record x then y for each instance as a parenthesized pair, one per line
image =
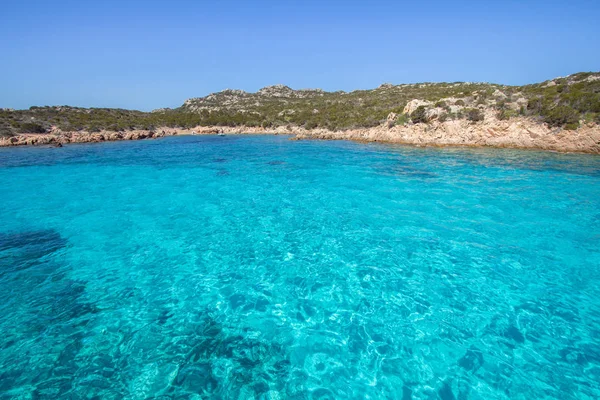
(435, 113)
(412, 105)
(56, 137)
(276, 91)
(499, 95)
(391, 119)
(517, 132)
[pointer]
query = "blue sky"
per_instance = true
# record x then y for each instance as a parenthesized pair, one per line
(150, 54)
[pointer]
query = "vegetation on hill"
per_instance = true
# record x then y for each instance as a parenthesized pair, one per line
(561, 102)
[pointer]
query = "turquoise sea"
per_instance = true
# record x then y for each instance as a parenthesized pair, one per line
(255, 267)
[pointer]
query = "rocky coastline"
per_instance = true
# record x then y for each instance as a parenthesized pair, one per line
(57, 138)
(518, 133)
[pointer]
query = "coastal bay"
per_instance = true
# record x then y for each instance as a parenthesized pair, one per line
(244, 266)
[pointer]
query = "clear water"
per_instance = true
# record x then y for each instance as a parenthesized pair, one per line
(258, 267)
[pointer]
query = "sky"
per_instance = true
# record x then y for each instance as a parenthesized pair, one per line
(150, 54)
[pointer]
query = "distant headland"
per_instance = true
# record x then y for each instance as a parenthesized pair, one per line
(561, 114)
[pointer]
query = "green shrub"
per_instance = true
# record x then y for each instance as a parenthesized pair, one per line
(589, 117)
(418, 116)
(583, 102)
(560, 116)
(572, 126)
(534, 105)
(506, 114)
(369, 123)
(402, 119)
(474, 115)
(311, 125)
(31, 127)
(332, 126)
(5, 130)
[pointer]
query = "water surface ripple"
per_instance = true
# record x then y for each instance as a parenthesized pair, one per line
(262, 268)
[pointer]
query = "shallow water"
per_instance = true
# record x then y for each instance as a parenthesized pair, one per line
(258, 267)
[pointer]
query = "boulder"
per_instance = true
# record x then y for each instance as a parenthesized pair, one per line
(414, 104)
(499, 95)
(391, 120)
(455, 108)
(434, 113)
(517, 104)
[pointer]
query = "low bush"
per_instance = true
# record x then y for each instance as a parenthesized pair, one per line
(31, 127)
(310, 125)
(474, 115)
(572, 127)
(506, 114)
(560, 116)
(5, 130)
(418, 116)
(402, 119)
(534, 105)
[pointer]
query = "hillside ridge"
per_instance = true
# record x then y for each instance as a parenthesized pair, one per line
(565, 103)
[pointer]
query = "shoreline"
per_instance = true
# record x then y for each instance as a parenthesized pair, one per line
(516, 133)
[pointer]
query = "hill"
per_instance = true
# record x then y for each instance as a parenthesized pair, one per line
(562, 102)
